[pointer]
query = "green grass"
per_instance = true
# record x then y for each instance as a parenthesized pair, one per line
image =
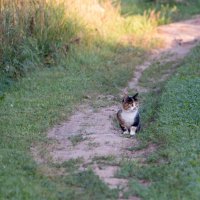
(31, 41)
(173, 170)
(168, 10)
(93, 186)
(44, 98)
(105, 160)
(46, 32)
(76, 139)
(71, 165)
(160, 71)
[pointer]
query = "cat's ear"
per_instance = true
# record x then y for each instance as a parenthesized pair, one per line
(135, 96)
(125, 97)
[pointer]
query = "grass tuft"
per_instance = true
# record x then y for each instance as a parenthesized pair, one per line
(76, 139)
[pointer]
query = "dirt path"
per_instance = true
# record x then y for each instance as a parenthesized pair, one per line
(91, 133)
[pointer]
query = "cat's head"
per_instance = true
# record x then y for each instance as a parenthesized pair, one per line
(130, 103)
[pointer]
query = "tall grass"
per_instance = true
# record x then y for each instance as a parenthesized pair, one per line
(31, 31)
(34, 33)
(37, 32)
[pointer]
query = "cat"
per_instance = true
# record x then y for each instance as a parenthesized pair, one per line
(128, 116)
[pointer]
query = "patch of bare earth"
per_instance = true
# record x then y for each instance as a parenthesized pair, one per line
(99, 137)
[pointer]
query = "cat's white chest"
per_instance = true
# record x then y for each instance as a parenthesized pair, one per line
(129, 117)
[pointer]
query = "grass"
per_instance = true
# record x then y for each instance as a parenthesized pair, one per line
(173, 170)
(42, 99)
(30, 37)
(154, 79)
(107, 160)
(127, 170)
(71, 165)
(94, 187)
(92, 145)
(165, 11)
(76, 139)
(150, 78)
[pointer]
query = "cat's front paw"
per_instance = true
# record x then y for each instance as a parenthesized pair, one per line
(132, 133)
(133, 130)
(125, 132)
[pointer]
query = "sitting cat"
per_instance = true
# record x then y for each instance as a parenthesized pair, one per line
(128, 116)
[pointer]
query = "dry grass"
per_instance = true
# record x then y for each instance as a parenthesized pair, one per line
(39, 31)
(100, 19)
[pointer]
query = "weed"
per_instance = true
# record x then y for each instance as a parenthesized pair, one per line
(109, 160)
(128, 169)
(135, 189)
(142, 145)
(92, 185)
(70, 165)
(93, 145)
(76, 139)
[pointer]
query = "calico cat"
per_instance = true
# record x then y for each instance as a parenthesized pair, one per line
(128, 116)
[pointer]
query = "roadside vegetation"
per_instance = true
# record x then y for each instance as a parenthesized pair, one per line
(172, 171)
(38, 34)
(166, 10)
(52, 55)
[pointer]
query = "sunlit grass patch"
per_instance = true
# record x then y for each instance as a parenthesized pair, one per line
(37, 34)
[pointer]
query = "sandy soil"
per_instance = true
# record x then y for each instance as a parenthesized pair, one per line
(96, 129)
